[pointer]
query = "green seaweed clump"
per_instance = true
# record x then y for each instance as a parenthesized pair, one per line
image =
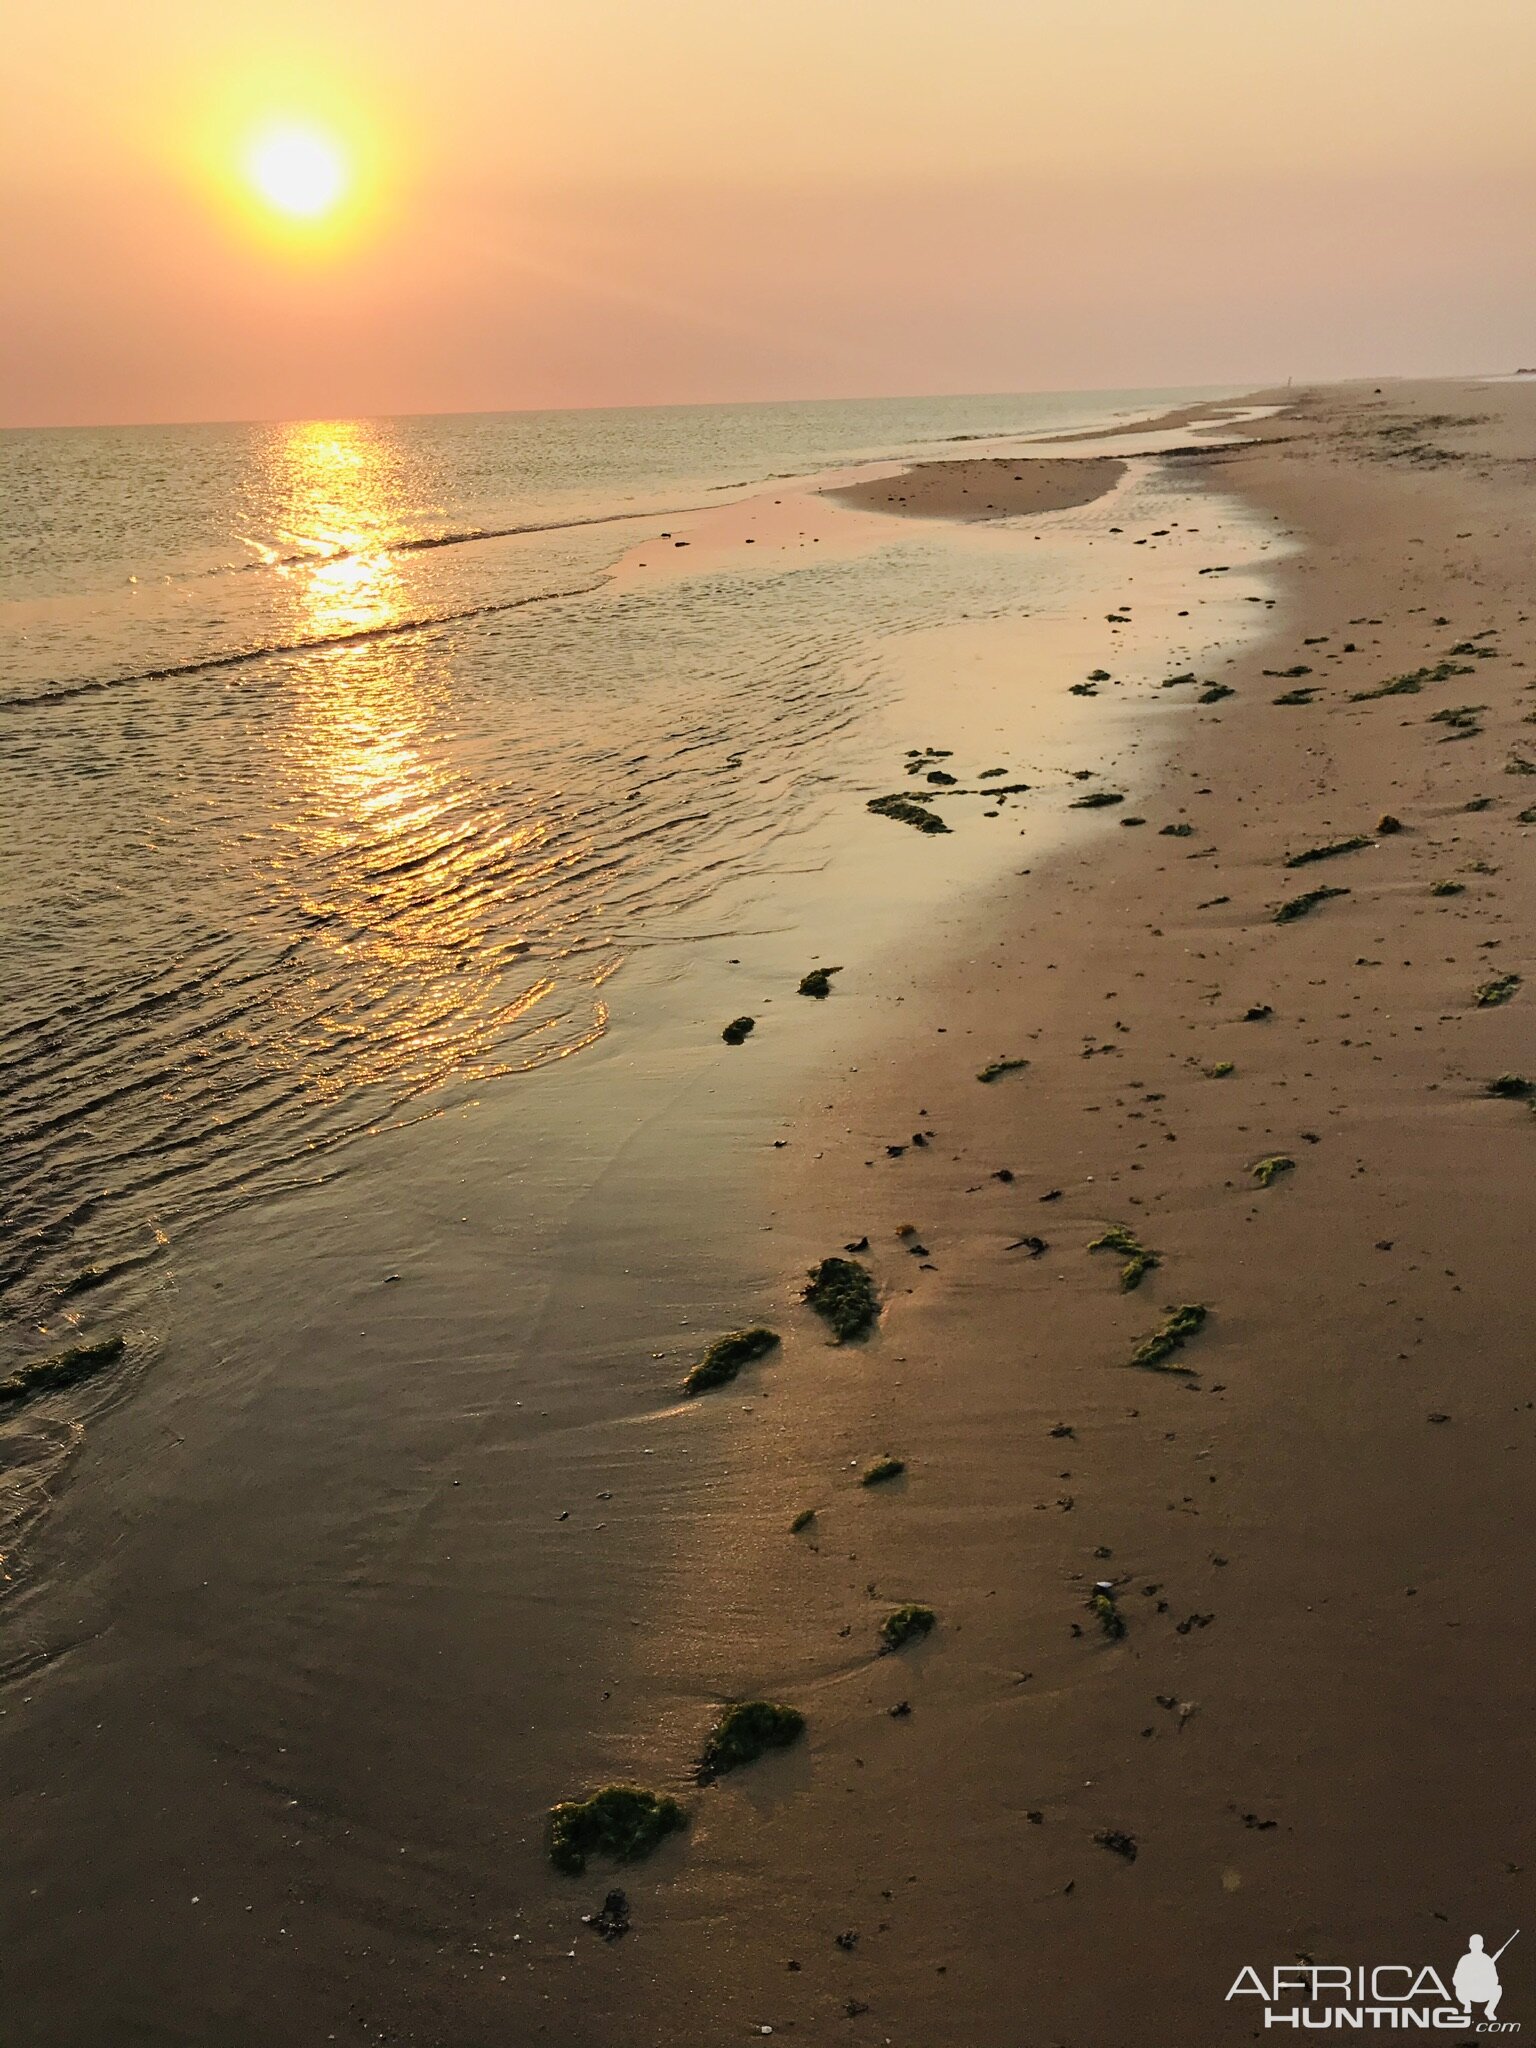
(726, 1357)
(1461, 718)
(881, 1470)
(1410, 685)
(622, 1821)
(1499, 990)
(1447, 888)
(1219, 1071)
(802, 1521)
(63, 1369)
(842, 1293)
(739, 1030)
(1139, 1260)
(818, 982)
(1268, 1171)
(995, 1069)
(1327, 851)
(908, 811)
(1511, 1088)
(1306, 695)
(1104, 1604)
(746, 1731)
(905, 1624)
(1400, 686)
(1526, 817)
(1298, 906)
(1171, 1335)
(1096, 800)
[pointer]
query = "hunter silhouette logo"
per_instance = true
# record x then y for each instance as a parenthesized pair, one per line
(1476, 1980)
(1351, 1997)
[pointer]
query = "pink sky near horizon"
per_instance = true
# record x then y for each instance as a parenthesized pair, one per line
(607, 202)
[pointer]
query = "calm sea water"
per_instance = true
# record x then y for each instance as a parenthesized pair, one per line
(333, 775)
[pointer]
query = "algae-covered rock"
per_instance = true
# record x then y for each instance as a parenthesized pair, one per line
(818, 982)
(994, 1070)
(907, 811)
(63, 1369)
(726, 1357)
(842, 1292)
(905, 1624)
(1106, 1609)
(625, 1822)
(1300, 906)
(882, 1470)
(1491, 993)
(746, 1731)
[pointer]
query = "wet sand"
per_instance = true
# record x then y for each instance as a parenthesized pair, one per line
(1313, 1727)
(985, 487)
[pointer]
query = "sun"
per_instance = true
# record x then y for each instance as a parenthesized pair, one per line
(299, 172)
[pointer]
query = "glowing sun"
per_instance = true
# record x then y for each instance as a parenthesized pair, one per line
(297, 171)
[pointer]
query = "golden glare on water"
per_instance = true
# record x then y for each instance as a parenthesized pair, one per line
(298, 171)
(404, 874)
(335, 484)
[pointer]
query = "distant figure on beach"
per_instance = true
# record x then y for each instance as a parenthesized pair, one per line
(1477, 1979)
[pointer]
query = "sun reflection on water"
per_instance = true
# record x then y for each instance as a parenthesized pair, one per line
(410, 879)
(336, 501)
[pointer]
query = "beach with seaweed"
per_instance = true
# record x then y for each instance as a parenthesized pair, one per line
(957, 1471)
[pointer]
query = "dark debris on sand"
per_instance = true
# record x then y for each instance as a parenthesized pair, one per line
(842, 1293)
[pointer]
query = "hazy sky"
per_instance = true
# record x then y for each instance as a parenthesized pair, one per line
(588, 202)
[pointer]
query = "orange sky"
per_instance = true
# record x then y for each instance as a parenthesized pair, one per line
(588, 202)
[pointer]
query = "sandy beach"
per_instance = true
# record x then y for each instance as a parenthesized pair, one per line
(1244, 1008)
(1316, 1529)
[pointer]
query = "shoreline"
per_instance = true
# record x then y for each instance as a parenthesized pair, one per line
(1318, 1537)
(1120, 968)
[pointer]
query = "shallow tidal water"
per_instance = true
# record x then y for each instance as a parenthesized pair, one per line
(261, 904)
